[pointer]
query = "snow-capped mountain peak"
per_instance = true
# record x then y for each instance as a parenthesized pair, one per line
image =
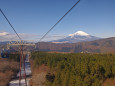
(79, 33)
(79, 36)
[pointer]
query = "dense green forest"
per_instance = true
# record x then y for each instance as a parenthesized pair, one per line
(76, 69)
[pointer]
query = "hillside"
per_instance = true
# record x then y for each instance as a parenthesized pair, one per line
(106, 45)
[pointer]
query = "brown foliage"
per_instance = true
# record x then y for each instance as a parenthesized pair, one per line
(109, 82)
(38, 75)
(98, 46)
(8, 69)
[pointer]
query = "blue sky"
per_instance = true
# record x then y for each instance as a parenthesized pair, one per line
(95, 17)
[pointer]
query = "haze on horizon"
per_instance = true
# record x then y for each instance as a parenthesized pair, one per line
(35, 18)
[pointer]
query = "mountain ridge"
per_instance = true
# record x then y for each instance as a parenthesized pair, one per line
(106, 45)
(78, 36)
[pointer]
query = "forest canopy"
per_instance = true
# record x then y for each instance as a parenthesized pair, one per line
(76, 69)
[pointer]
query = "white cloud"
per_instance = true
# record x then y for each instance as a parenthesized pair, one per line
(3, 33)
(52, 37)
(5, 36)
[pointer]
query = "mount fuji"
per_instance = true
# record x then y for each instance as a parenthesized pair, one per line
(79, 36)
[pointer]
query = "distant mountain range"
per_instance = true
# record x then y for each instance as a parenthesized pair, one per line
(79, 42)
(4, 42)
(79, 36)
(106, 45)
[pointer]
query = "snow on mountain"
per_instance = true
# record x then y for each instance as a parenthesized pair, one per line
(80, 33)
(79, 36)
